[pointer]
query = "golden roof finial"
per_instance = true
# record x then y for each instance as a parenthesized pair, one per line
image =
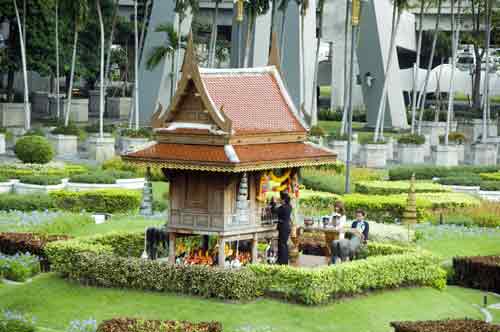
(189, 54)
(274, 53)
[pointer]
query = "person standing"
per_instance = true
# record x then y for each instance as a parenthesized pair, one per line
(339, 218)
(284, 213)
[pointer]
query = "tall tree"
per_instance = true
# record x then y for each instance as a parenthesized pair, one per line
(304, 6)
(416, 65)
(486, 102)
(101, 82)
(284, 9)
(114, 18)
(136, 66)
(429, 67)
(347, 81)
(213, 34)
(314, 113)
(254, 8)
(78, 11)
(398, 7)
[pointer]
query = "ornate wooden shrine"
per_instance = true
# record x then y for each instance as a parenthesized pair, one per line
(224, 130)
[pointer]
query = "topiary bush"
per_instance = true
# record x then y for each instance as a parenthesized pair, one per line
(26, 203)
(139, 133)
(41, 180)
(490, 176)
(98, 177)
(34, 150)
(103, 201)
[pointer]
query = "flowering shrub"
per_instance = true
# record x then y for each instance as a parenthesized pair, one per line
(19, 267)
(88, 325)
(12, 321)
(136, 325)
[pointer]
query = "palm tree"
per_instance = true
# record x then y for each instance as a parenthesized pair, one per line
(27, 112)
(160, 53)
(136, 66)
(455, 40)
(304, 6)
(283, 8)
(101, 83)
(254, 8)
(486, 102)
(78, 10)
(314, 114)
(417, 64)
(343, 126)
(110, 42)
(181, 8)
(58, 97)
(398, 7)
(421, 98)
(143, 28)
(213, 35)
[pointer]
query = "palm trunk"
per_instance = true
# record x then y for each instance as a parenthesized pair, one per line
(302, 61)
(283, 34)
(417, 65)
(343, 125)
(421, 99)
(136, 64)
(314, 101)
(249, 38)
(72, 76)
(178, 49)
(396, 17)
(110, 44)
(213, 36)
(451, 93)
(27, 115)
(486, 94)
(101, 97)
(58, 97)
(143, 28)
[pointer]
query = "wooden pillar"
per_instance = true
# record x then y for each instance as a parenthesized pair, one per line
(171, 247)
(255, 242)
(222, 253)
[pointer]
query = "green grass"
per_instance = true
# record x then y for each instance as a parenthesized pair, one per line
(159, 190)
(48, 295)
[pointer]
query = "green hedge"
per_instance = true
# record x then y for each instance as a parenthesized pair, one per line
(387, 208)
(103, 177)
(471, 180)
(396, 187)
(411, 139)
(41, 180)
(318, 286)
(490, 185)
(16, 171)
(430, 172)
(108, 200)
(490, 176)
(26, 203)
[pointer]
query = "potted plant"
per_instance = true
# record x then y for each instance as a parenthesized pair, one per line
(457, 142)
(133, 140)
(118, 103)
(410, 148)
(100, 148)
(373, 154)
(65, 140)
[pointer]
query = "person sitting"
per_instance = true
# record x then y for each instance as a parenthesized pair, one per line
(361, 225)
(339, 218)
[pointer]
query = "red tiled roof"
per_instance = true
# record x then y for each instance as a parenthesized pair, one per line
(251, 157)
(252, 100)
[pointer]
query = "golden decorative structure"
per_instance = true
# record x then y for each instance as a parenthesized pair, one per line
(240, 7)
(410, 213)
(356, 12)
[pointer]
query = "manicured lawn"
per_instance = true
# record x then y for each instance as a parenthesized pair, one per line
(55, 302)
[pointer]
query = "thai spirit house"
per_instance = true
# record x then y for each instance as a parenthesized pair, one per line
(225, 133)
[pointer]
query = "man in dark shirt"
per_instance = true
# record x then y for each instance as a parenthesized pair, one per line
(361, 225)
(283, 212)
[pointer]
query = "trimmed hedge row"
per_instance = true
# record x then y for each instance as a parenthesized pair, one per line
(318, 286)
(461, 180)
(387, 208)
(490, 186)
(456, 325)
(490, 176)
(134, 325)
(430, 172)
(481, 272)
(15, 171)
(28, 203)
(108, 200)
(396, 187)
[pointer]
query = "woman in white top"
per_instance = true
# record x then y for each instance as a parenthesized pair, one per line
(339, 218)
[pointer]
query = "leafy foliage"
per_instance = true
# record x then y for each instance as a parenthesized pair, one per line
(430, 172)
(396, 187)
(34, 150)
(461, 180)
(109, 201)
(19, 267)
(136, 325)
(41, 180)
(411, 139)
(490, 185)
(452, 325)
(32, 202)
(11, 321)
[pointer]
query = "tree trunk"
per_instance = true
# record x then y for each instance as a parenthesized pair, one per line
(343, 125)
(136, 65)
(249, 38)
(476, 93)
(451, 92)
(143, 28)
(283, 34)
(421, 100)
(101, 90)
(110, 44)
(27, 115)
(314, 101)
(395, 19)
(303, 61)
(486, 94)
(72, 76)
(213, 36)
(417, 65)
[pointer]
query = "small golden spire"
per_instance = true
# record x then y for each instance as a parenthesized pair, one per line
(189, 54)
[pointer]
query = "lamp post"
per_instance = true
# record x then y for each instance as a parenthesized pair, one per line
(356, 15)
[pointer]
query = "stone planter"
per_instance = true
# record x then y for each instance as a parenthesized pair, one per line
(390, 149)
(94, 102)
(65, 145)
(40, 104)
(460, 153)
(131, 183)
(445, 155)
(53, 105)
(7, 187)
(17, 133)
(26, 189)
(79, 110)
(340, 148)
(473, 129)
(118, 107)
(484, 154)
(2, 144)
(101, 148)
(75, 186)
(373, 155)
(12, 114)
(436, 129)
(410, 154)
(471, 190)
(130, 144)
